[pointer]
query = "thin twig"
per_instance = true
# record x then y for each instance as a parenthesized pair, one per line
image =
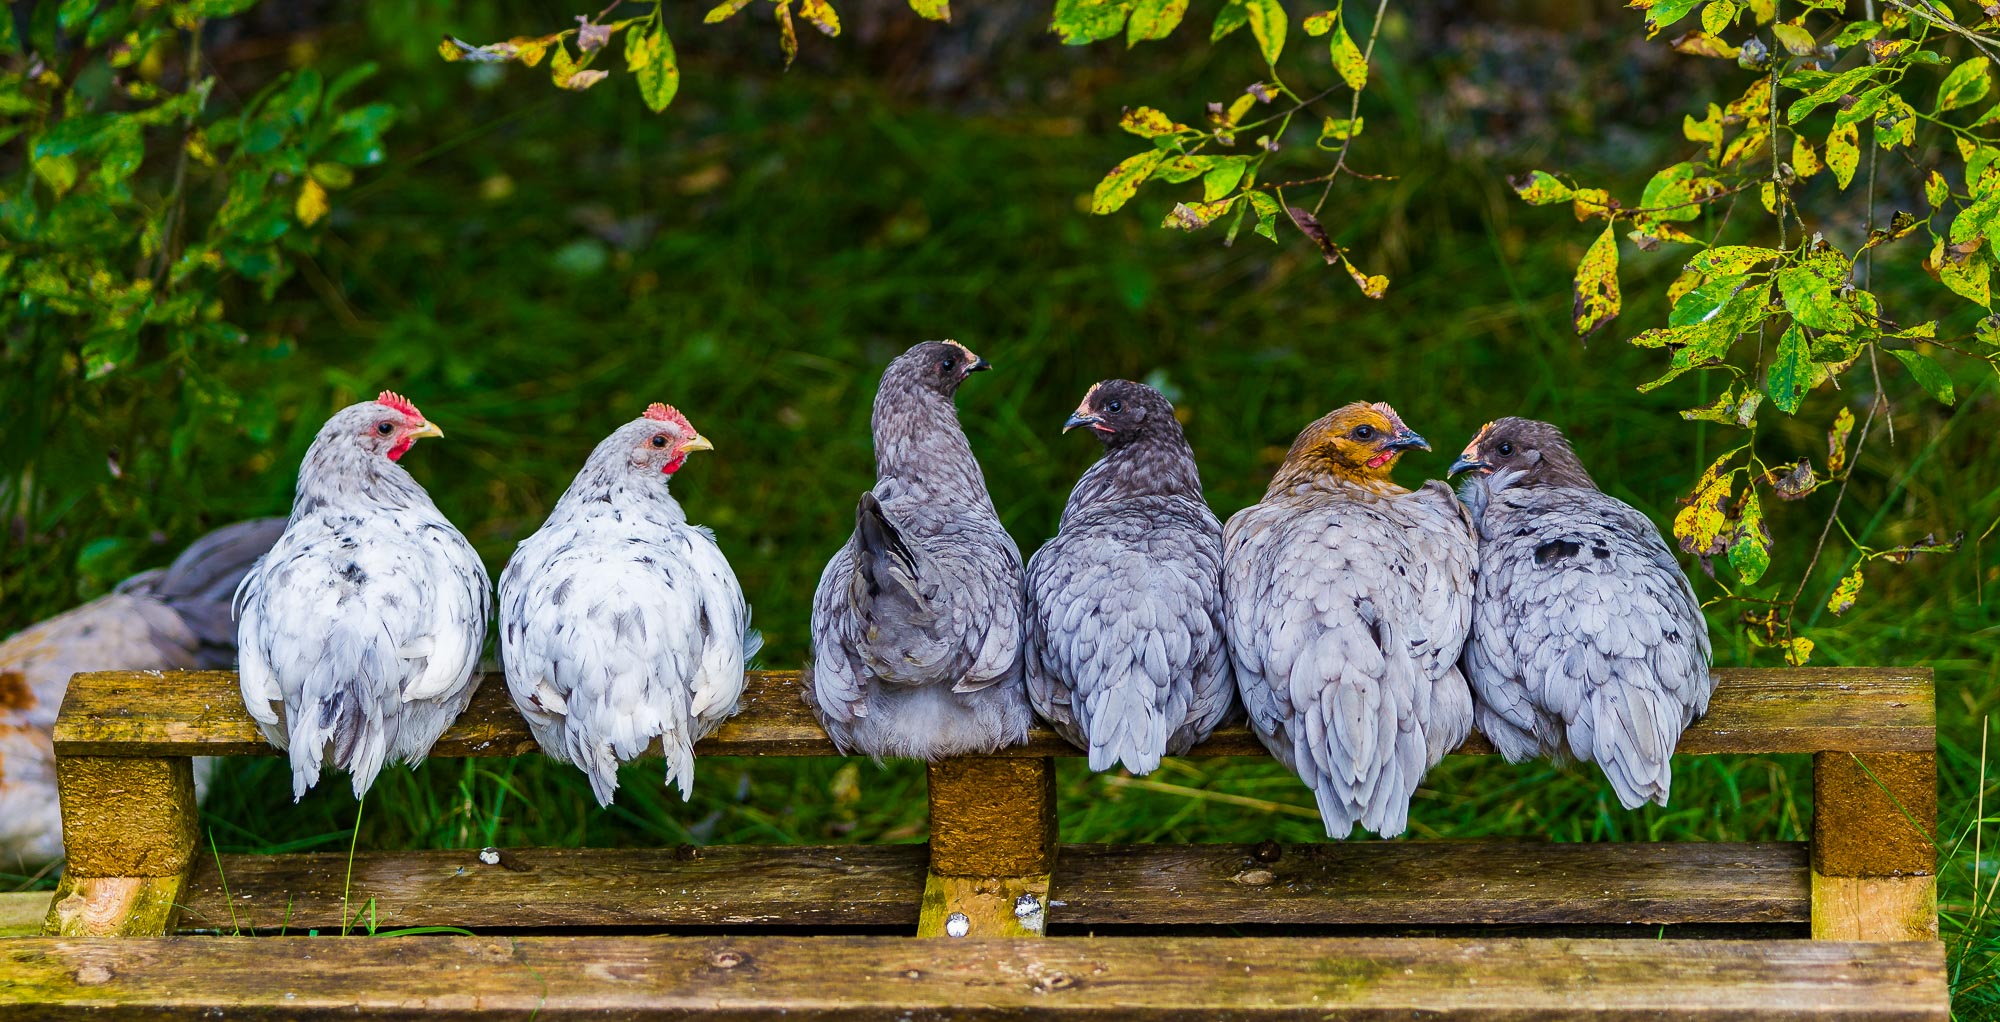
(1354, 108)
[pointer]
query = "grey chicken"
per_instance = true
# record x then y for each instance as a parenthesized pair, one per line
(360, 631)
(916, 624)
(1587, 640)
(1348, 600)
(1125, 655)
(171, 618)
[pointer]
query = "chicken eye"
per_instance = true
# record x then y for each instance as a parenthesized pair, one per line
(385, 428)
(659, 440)
(1363, 432)
(1115, 406)
(1506, 449)
(947, 363)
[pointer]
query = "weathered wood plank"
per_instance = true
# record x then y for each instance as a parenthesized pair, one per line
(984, 906)
(1423, 883)
(841, 978)
(848, 886)
(22, 912)
(1806, 709)
(1374, 883)
(114, 906)
(1874, 908)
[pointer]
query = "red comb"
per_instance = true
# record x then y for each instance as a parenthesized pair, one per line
(667, 413)
(391, 399)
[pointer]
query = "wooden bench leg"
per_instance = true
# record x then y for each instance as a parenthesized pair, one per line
(129, 830)
(1874, 852)
(993, 845)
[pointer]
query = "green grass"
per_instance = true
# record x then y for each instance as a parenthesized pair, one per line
(804, 228)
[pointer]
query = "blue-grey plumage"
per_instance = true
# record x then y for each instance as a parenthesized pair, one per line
(175, 617)
(1588, 642)
(1125, 654)
(917, 619)
(620, 622)
(1347, 601)
(360, 631)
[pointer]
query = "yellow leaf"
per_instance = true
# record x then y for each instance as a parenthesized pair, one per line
(822, 16)
(1846, 593)
(935, 10)
(1768, 193)
(312, 205)
(1147, 122)
(1371, 285)
(1836, 441)
(1798, 651)
(1843, 153)
(1597, 298)
(1347, 58)
(1708, 129)
(1806, 162)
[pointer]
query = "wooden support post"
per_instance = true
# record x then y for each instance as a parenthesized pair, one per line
(1874, 852)
(129, 830)
(993, 845)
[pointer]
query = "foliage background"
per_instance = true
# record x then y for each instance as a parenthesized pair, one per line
(534, 266)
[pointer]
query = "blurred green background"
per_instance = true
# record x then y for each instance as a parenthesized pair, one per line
(533, 267)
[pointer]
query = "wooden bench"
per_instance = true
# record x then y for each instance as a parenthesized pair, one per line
(146, 926)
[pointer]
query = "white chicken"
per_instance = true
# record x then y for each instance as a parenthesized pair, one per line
(619, 621)
(361, 629)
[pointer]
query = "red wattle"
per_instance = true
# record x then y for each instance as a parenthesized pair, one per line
(1381, 459)
(675, 465)
(402, 447)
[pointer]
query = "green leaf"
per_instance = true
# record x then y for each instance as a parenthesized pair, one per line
(1268, 23)
(720, 12)
(1231, 17)
(1825, 92)
(1154, 19)
(1730, 259)
(933, 10)
(1718, 16)
(1843, 153)
(1750, 552)
(1267, 214)
(1790, 375)
(1809, 297)
(1223, 176)
(1597, 300)
(1965, 85)
(58, 172)
(1540, 188)
(1675, 193)
(1319, 24)
(1347, 58)
(1928, 374)
(1936, 191)
(1664, 13)
(1855, 32)
(1078, 22)
(649, 55)
(1118, 187)
(1726, 303)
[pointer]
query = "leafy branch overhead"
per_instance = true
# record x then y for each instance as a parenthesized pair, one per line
(649, 52)
(1771, 304)
(1237, 187)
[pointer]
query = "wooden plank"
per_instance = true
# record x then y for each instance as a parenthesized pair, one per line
(1374, 883)
(855, 887)
(1874, 816)
(992, 815)
(22, 912)
(1424, 883)
(1874, 908)
(971, 907)
(1805, 709)
(114, 906)
(127, 816)
(857, 978)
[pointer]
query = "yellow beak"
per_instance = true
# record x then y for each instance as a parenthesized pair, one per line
(696, 442)
(427, 429)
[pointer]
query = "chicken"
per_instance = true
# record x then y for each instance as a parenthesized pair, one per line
(619, 621)
(362, 628)
(1348, 600)
(917, 621)
(1587, 640)
(177, 617)
(1125, 655)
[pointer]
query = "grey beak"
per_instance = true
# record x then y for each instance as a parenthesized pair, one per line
(1081, 419)
(1407, 441)
(1465, 464)
(980, 366)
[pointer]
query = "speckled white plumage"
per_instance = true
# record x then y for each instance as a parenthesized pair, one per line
(619, 621)
(360, 631)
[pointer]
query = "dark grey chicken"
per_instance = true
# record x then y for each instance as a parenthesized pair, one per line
(1125, 651)
(1587, 640)
(176, 617)
(917, 620)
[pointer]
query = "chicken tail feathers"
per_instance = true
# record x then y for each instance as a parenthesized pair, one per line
(332, 715)
(883, 563)
(1125, 726)
(200, 583)
(1634, 737)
